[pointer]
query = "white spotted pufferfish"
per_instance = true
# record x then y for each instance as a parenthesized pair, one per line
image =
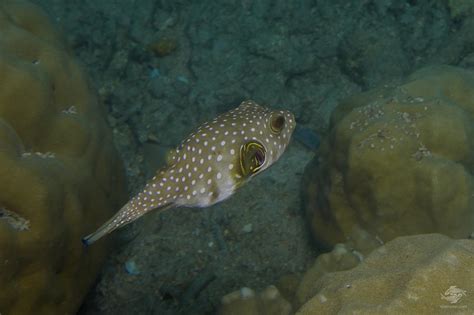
(211, 163)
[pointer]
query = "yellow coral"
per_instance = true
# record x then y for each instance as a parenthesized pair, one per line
(60, 173)
(398, 161)
(421, 274)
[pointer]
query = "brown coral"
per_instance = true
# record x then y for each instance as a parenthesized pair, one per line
(422, 274)
(60, 174)
(398, 161)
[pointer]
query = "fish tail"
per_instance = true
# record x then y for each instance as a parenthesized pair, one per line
(106, 228)
(120, 219)
(127, 214)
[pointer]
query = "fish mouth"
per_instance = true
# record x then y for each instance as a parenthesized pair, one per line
(253, 156)
(260, 157)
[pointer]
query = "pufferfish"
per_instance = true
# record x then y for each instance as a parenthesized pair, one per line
(211, 163)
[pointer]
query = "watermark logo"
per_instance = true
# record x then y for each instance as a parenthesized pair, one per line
(453, 295)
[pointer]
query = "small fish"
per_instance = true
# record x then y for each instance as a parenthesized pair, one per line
(210, 164)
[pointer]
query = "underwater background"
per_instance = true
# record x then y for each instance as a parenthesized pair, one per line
(161, 68)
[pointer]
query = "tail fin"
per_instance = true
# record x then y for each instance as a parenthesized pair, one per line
(109, 226)
(130, 212)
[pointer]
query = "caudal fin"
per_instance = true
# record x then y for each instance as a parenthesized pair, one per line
(106, 228)
(112, 224)
(148, 199)
(130, 212)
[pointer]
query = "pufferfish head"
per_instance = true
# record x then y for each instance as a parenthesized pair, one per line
(265, 140)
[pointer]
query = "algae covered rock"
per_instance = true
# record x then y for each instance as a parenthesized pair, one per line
(422, 274)
(398, 161)
(61, 175)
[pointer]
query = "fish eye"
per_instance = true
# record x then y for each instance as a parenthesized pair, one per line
(277, 123)
(252, 158)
